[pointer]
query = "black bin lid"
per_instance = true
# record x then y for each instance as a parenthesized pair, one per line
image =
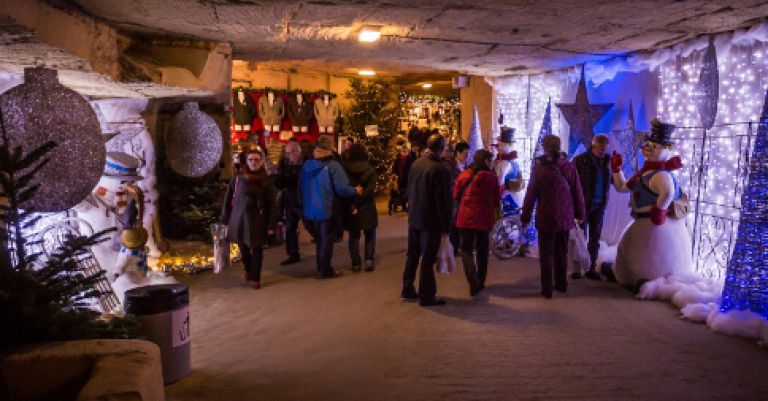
(159, 298)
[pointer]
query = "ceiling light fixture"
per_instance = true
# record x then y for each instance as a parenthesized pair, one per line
(367, 73)
(369, 34)
(426, 86)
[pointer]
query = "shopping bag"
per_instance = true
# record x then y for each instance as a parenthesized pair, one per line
(220, 247)
(445, 259)
(579, 259)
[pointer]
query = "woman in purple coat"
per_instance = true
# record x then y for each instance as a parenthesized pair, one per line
(556, 191)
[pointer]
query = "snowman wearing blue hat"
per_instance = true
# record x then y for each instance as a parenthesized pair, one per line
(126, 200)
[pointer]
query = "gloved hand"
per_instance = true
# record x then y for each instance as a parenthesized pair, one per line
(617, 161)
(658, 216)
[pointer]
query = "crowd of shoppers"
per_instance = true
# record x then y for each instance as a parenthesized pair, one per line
(449, 200)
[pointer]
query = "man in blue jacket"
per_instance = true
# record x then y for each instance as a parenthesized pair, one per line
(321, 181)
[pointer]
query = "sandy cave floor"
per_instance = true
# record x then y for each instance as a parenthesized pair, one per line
(352, 338)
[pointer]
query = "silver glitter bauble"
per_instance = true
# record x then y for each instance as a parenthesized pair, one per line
(41, 110)
(194, 143)
(708, 89)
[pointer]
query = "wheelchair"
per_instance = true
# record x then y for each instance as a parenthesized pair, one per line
(507, 236)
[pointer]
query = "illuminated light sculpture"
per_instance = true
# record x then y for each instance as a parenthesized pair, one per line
(746, 280)
(475, 138)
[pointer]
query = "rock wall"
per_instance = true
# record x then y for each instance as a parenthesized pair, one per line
(80, 35)
(479, 93)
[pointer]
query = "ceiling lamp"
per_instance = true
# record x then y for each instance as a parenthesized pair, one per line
(367, 73)
(426, 86)
(369, 34)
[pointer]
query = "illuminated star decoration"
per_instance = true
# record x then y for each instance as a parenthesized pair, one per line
(582, 116)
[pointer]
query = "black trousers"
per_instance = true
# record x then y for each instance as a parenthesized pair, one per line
(354, 245)
(253, 257)
(455, 237)
(325, 235)
(292, 218)
(422, 246)
(474, 254)
(553, 260)
(593, 227)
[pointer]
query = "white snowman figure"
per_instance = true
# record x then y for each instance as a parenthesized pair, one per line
(657, 243)
(508, 173)
(118, 202)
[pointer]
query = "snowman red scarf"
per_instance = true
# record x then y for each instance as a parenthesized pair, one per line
(508, 156)
(672, 164)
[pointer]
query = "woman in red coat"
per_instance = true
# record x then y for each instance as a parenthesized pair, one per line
(477, 191)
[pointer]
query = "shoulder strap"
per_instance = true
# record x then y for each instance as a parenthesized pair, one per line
(562, 176)
(465, 186)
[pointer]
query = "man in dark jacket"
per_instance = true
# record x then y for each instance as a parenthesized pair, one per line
(429, 221)
(595, 177)
(320, 181)
(287, 180)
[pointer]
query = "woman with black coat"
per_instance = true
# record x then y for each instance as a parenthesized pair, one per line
(360, 212)
(250, 212)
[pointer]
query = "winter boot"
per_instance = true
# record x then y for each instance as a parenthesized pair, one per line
(470, 270)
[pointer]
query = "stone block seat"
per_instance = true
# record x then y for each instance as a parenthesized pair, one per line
(88, 370)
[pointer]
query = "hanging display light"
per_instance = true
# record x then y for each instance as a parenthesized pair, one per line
(369, 34)
(426, 86)
(367, 73)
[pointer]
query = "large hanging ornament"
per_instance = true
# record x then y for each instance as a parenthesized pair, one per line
(194, 142)
(708, 88)
(42, 110)
(582, 116)
(475, 134)
(746, 280)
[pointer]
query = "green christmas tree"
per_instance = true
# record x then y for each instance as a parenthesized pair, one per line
(374, 102)
(43, 300)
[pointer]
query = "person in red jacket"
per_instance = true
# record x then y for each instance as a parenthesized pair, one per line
(555, 189)
(477, 192)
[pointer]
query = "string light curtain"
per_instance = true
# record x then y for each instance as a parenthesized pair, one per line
(523, 101)
(715, 159)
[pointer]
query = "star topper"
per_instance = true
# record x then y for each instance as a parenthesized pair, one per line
(582, 116)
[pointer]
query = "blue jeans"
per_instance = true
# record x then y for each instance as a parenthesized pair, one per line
(325, 236)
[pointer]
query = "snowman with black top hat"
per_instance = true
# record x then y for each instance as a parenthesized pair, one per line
(657, 243)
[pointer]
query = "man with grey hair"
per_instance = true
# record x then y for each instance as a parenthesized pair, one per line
(594, 173)
(287, 181)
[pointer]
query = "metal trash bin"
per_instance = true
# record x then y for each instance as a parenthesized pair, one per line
(163, 312)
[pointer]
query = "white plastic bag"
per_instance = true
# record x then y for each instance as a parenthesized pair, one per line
(445, 259)
(220, 247)
(578, 254)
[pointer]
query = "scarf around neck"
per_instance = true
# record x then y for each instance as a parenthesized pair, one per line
(671, 164)
(253, 176)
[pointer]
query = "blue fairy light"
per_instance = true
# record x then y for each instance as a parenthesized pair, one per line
(746, 281)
